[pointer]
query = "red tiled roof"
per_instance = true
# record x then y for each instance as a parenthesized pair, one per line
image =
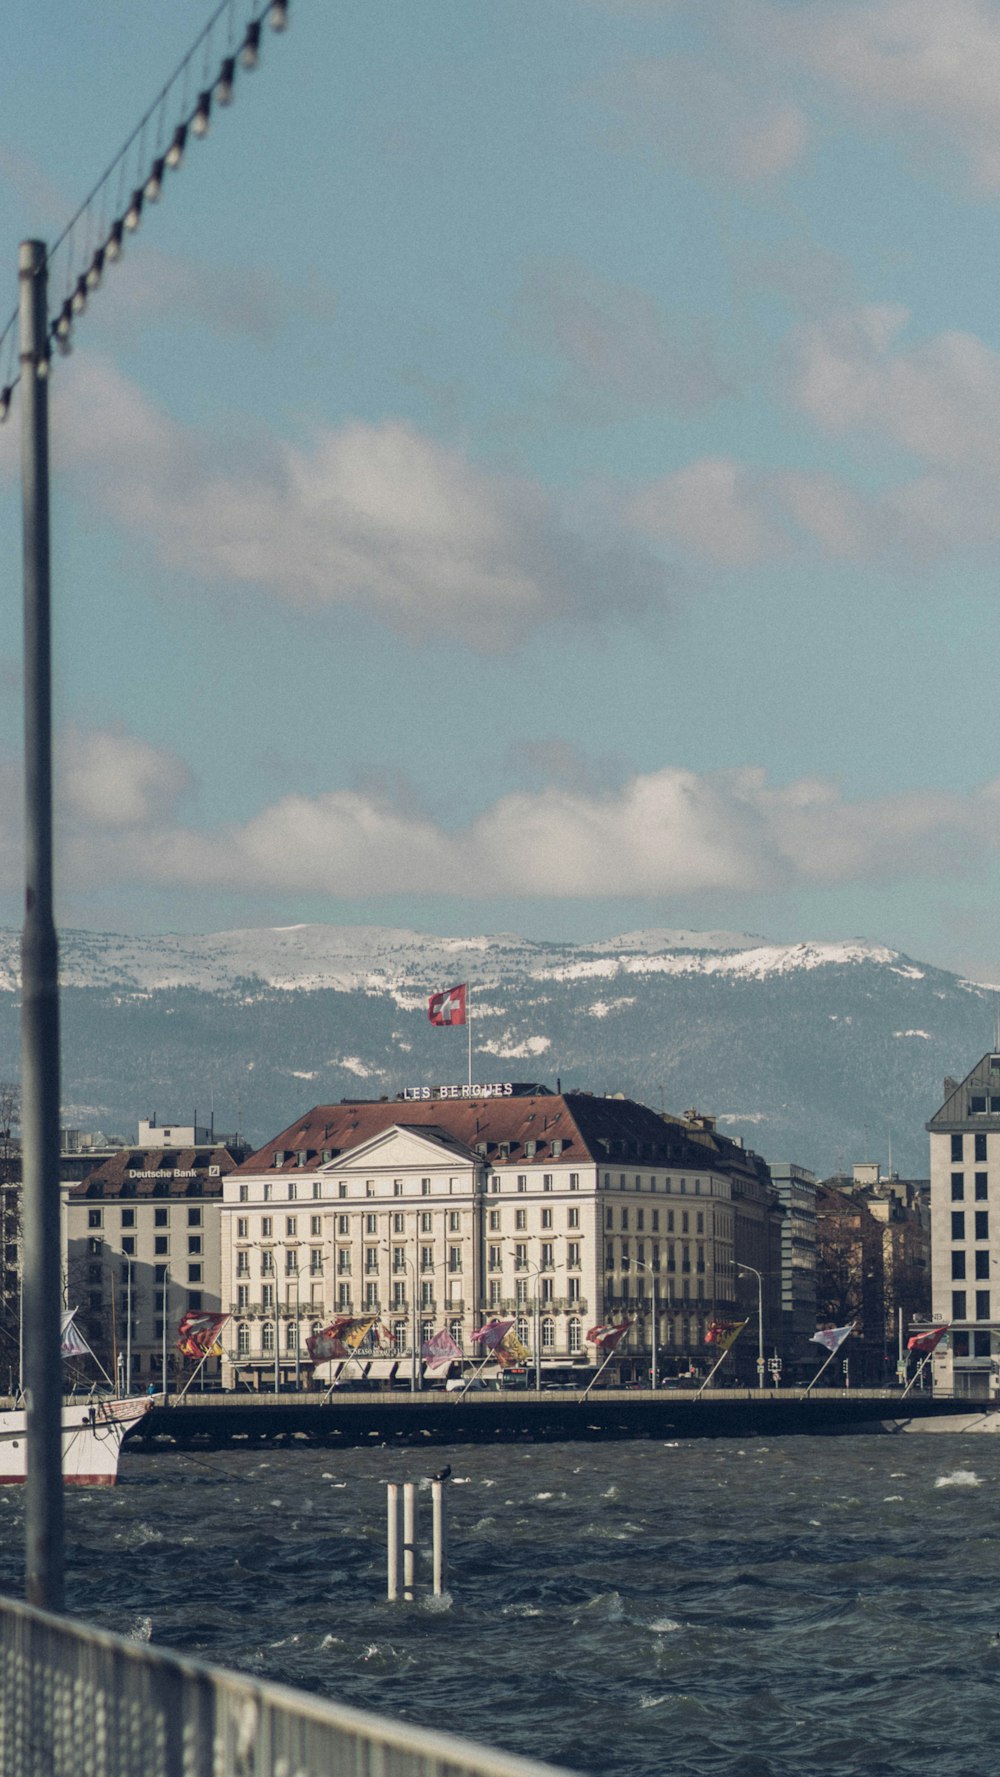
(111, 1178)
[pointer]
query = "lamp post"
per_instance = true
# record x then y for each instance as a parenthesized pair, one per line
(293, 1275)
(163, 1324)
(760, 1321)
(416, 1375)
(526, 1265)
(128, 1324)
(640, 1265)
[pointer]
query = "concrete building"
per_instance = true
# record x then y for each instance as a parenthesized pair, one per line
(557, 1210)
(141, 1233)
(965, 1228)
(796, 1191)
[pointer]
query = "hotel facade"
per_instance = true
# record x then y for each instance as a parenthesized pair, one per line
(437, 1209)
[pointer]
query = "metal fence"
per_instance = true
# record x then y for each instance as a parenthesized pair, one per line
(78, 1702)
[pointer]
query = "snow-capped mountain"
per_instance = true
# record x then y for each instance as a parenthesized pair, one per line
(822, 1053)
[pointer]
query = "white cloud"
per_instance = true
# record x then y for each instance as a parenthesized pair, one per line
(665, 832)
(716, 508)
(370, 515)
(113, 779)
(933, 64)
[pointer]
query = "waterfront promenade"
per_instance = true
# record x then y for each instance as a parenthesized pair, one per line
(214, 1420)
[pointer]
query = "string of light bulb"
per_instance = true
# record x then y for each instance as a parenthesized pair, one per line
(171, 121)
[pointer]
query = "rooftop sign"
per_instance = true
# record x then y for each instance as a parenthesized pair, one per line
(499, 1089)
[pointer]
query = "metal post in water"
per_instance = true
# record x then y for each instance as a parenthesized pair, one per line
(392, 1541)
(409, 1539)
(44, 1532)
(440, 1538)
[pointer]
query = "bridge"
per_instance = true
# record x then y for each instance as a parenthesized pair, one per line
(346, 1418)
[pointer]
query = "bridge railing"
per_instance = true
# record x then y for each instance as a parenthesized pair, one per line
(78, 1702)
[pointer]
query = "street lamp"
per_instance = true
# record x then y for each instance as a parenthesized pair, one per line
(526, 1265)
(163, 1326)
(416, 1375)
(128, 1325)
(640, 1265)
(760, 1321)
(290, 1276)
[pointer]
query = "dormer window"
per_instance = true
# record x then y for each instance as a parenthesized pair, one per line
(279, 1156)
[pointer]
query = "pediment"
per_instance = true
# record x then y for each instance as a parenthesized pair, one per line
(401, 1149)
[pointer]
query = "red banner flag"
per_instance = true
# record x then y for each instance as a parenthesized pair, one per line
(198, 1334)
(341, 1338)
(449, 1007)
(607, 1336)
(929, 1339)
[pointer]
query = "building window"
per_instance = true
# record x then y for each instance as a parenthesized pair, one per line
(982, 1304)
(427, 1295)
(343, 1295)
(369, 1187)
(266, 1227)
(609, 1256)
(575, 1334)
(546, 1217)
(267, 1263)
(194, 1218)
(341, 1189)
(981, 1187)
(243, 1340)
(573, 1288)
(244, 1193)
(128, 1243)
(397, 1224)
(128, 1218)
(958, 1304)
(982, 1264)
(494, 1261)
(267, 1338)
(573, 1216)
(548, 1289)
(194, 1243)
(980, 1147)
(371, 1258)
(426, 1258)
(982, 1224)
(95, 1218)
(267, 1295)
(548, 1261)
(454, 1220)
(315, 1262)
(520, 1255)
(161, 1218)
(494, 1221)
(242, 1227)
(520, 1218)
(315, 1226)
(521, 1291)
(344, 1261)
(291, 1263)
(371, 1225)
(546, 1181)
(956, 1147)
(161, 1244)
(454, 1258)
(425, 1187)
(958, 1224)
(982, 1344)
(243, 1295)
(548, 1334)
(194, 1274)
(495, 1292)
(291, 1227)
(343, 1225)
(425, 1221)
(957, 1187)
(574, 1181)
(977, 1104)
(494, 1183)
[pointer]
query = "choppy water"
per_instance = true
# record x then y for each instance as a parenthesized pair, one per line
(807, 1606)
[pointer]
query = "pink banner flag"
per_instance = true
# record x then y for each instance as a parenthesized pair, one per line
(606, 1337)
(493, 1333)
(440, 1350)
(832, 1337)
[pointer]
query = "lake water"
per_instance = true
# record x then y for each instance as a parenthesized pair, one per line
(795, 1606)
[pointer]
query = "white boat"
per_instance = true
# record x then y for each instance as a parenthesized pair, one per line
(93, 1434)
(987, 1420)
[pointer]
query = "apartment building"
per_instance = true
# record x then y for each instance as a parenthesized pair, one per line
(965, 1225)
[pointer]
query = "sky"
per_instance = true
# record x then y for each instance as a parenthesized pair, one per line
(535, 469)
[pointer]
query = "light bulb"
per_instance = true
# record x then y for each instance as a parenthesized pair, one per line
(200, 120)
(42, 365)
(113, 245)
(5, 395)
(95, 269)
(64, 325)
(224, 84)
(154, 184)
(79, 301)
(250, 53)
(134, 212)
(278, 16)
(175, 153)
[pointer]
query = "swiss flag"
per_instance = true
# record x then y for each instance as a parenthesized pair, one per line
(448, 1008)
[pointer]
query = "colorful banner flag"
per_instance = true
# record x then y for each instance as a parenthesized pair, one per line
(448, 1007)
(341, 1338)
(608, 1335)
(510, 1352)
(493, 1333)
(929, 1339)
(832, 1337)
(71, 1341)
(198, 1334)
(440, 1350)
(724, 1333)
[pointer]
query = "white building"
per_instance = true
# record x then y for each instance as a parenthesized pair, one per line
(556, 1210)
(965, 1227)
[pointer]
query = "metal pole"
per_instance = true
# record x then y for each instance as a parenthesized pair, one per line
(163, 1325)
(654, 1352)
(128, 1328)
(761, 1366)
(409, 1538)
(44, 1527)
(440, 1538)
(538, 1339)
(416, 1370)
(277, 1330)
(392, 1541)
(298, 1331)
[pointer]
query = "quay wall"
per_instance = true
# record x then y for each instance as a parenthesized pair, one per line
(345, 1419)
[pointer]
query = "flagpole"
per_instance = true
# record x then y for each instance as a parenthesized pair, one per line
(718, 1361)
(918, 1372)
(468, 1020)
(195, 1372)
(823, 1365)
(595, 1379)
